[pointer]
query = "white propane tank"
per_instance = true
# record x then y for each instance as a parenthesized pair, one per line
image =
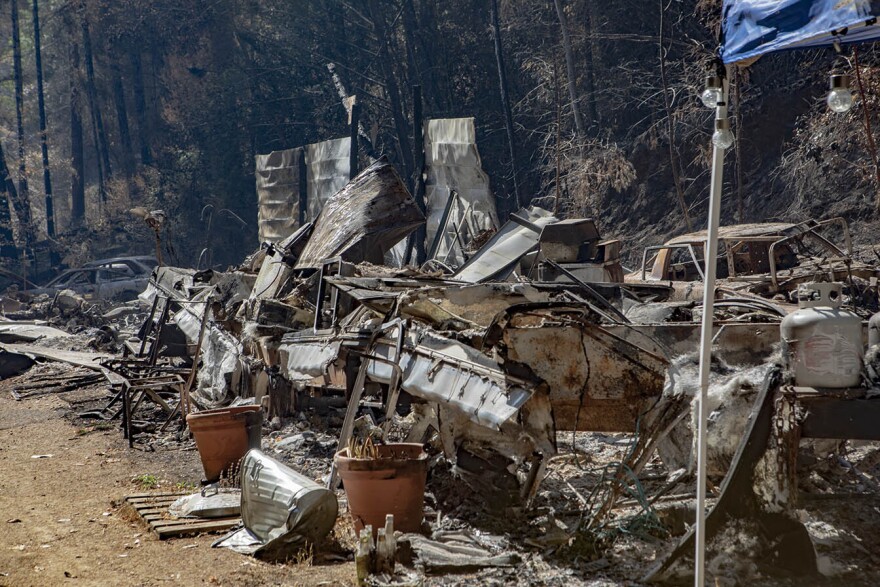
(822, 344)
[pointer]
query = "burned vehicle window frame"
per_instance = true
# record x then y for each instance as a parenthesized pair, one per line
(782, 247)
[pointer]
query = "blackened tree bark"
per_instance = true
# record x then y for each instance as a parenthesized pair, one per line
(44, 145)
(670, 128)
(590, 88)
(569, 68)
(21, 203)
(391, 88)
(77, 164)
(7, 195)
(128, 162)
(419, 55)
(140, 106)
(104, 171)
(505, 99)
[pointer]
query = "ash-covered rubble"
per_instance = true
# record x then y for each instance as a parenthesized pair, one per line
(554, 396)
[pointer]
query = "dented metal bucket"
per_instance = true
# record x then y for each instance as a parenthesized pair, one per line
(281, 509)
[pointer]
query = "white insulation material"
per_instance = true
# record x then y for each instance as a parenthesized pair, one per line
(452, 162)
(730, 400)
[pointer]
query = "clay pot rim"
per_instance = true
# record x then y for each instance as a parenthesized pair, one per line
(341, 457)
(234, 412)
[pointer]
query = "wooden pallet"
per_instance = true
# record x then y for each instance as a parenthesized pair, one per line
(153, 509)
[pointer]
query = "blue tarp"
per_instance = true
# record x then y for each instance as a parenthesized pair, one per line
(751, 28)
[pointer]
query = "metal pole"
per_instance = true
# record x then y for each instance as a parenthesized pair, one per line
(711, 260)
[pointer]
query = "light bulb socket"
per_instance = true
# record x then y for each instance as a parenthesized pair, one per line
(722, 124)
(713, 82)
(839, 81)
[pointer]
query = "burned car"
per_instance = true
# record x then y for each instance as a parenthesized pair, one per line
(119, 278)
(764, 259)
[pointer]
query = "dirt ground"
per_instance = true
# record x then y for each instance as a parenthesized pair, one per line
(61, 520)
(63, 480)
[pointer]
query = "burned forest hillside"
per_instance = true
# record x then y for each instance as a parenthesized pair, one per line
(164, 105)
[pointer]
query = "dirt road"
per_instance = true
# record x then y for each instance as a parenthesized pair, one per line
(60, 520)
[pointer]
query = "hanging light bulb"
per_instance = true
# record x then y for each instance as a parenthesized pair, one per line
(840, 97)
(711, 95)
(722, 137)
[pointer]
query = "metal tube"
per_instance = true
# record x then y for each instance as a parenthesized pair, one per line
(711, 254)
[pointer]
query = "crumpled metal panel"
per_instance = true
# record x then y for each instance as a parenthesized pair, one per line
(499, 257)
(442, 370)
(303, 361)
(363, 220)
(280, 508)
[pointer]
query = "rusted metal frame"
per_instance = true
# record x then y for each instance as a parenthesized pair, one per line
(394, 389)
(730, 251)
(811, 231)
(589, 332)
(688, 246)
(693, 253)
(322, 292)
(592, 292)
(645, 256)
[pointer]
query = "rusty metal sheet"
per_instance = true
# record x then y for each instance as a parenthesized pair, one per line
(597, 381)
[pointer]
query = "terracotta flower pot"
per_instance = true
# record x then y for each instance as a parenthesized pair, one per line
(223, 436)
(392, 484)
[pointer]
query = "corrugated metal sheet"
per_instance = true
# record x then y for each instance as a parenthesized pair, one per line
(452, 162)
(327, 172)
(277, 177)
(442, 370)
(303, 361)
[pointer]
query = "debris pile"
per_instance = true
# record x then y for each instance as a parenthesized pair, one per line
(551, 395)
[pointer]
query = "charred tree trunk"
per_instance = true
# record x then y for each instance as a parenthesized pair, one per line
(421, 234)
(419, 54)
(569, 68)
(670, 128)
(44, 145)
(104, 171)
(593, 117)
(140, 107)
(128, 162)
(391, 87)
(7, 195)
(505, 100)
(77, 164)
(21, 203)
